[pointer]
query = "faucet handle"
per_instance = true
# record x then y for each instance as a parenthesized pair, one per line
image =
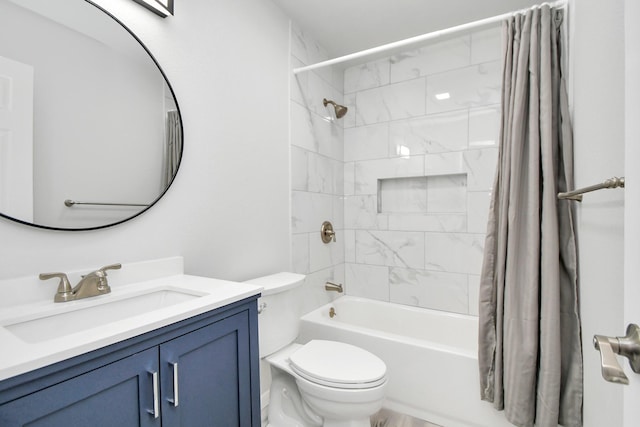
(103, 284)
(64, 293)
(117, 266)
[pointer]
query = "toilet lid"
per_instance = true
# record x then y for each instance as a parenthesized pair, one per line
(337, 364)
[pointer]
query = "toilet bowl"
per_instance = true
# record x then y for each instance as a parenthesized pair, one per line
(344, 389)
(321, 383)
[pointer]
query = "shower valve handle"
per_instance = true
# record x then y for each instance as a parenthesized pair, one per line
(327, 234)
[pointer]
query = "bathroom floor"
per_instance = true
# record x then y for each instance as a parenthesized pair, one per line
(387, 418)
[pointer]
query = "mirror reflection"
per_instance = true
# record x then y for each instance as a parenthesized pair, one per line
(86, 117)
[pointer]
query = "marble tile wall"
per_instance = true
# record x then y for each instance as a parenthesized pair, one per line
(420, 149)
(317, 171)
(405, 177)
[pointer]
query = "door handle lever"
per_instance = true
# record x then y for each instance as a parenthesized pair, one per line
(627, 346)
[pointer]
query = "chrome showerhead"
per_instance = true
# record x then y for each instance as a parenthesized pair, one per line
(341, 110)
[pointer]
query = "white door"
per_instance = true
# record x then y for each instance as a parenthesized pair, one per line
(16, 139)
(631, 402)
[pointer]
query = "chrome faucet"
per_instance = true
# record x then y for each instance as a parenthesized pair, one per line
(91, 285)
(330, 286)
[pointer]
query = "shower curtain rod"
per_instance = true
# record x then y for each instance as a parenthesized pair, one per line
(421, 38)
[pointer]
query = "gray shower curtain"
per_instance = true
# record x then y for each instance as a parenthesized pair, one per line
(530, 351)
(173, 146)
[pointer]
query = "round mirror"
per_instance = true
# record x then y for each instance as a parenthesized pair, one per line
(90, 131)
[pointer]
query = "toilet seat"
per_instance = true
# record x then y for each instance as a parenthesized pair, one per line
(339, 365)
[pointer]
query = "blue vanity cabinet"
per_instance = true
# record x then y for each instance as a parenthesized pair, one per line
(216, 396)
(118, 394)
(206, 375)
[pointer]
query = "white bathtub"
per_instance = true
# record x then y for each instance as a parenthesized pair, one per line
(431, 357)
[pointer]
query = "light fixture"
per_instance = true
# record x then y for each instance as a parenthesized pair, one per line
(443, 96)
(162, 8)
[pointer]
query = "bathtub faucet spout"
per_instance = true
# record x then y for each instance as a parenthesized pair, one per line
(330, 286)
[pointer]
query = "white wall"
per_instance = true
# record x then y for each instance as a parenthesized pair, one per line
(597, 68)
(227, 212)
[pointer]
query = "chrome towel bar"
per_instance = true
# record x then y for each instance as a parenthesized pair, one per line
(69, 203)
(614, 182)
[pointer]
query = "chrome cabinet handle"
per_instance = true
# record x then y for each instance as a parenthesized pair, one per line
(156, 403)
(175, 400)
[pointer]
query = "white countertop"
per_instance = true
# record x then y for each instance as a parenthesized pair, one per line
(19, 356)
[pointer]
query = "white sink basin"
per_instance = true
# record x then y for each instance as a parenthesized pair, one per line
(146, 296)
(93, 312)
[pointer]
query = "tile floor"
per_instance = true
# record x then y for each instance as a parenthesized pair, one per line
(387, 418)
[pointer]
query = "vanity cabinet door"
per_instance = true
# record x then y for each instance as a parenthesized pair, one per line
(115, 395)
(205, 376)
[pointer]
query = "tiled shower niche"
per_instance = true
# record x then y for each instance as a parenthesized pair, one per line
(423, 195)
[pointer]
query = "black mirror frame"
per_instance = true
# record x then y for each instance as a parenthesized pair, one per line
(47, 227)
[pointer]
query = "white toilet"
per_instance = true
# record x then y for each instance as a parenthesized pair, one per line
(321, 383)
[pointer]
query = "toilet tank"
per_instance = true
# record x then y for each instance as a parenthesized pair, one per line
(279, 307)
